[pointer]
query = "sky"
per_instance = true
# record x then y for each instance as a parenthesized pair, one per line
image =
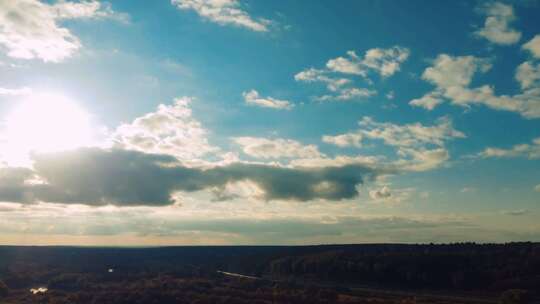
(236, 122)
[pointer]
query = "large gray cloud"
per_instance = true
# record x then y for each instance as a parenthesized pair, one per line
(96, 176)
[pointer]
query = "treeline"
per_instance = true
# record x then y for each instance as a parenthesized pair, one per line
(190, 274)
(466, 266)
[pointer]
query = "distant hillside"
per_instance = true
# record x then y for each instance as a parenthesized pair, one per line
(480, 269)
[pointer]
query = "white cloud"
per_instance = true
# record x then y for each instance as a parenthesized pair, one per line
(240, 189)
(533, 46)
(316, 75)
(382, 193)
(252, 98)
(528, 74)
(171, 130)
(421, 159)
(537, 188)
(29, 28)
(497, 25)
(15, 92)
(349, 65)
(420, 147)
(340, 160)
(348, 94)
(344, 140)
(224, 12)
(531, 151)
(92, 9)
(340, 87)
(448, 71)
(387, 195)
(453, 75)
(428, 101)
(276, 148)
(385, 62)
(409, 135)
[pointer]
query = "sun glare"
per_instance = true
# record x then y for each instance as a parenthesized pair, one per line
(44, 122)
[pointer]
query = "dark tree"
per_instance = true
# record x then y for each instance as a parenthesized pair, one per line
(4, 290)
(514, 296)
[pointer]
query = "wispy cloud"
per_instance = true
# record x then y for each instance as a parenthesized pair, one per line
(224, 12)
(517, 212)
(276, 148)
(531, 151)
(252, 98)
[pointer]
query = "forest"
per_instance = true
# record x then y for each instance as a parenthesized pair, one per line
(371, 273)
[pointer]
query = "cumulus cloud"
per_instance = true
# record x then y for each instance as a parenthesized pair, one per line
(252, 98)
(239, 189)
(276, 148)
(421, 147)
(533, 46)
(385, 62)
(30, 29)
(452, 76)
(497, 25)
(407, 135)
(317, 75)
(340, 87)
(448, 71)
(224, 12)
(530, 151)
(95, 176)
(528, 75)
(382, 193)
(428, 101)
(171, 130)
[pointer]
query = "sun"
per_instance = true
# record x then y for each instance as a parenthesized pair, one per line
(44, 122)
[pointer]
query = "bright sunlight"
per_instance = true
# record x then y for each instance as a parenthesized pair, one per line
(45, 122)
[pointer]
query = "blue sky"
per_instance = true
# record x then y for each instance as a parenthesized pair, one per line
(349, 121)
